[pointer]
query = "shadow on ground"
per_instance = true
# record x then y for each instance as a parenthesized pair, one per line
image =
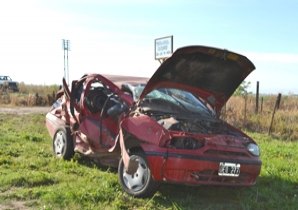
(268, 193)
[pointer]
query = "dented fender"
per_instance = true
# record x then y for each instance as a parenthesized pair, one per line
(146, 129)
(155, 135)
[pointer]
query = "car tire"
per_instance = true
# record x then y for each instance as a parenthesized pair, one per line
(139, 184)
(63, 144)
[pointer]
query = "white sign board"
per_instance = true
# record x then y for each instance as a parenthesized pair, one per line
(163, 47)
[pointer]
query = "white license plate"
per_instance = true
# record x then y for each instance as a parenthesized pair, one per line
(229, 169)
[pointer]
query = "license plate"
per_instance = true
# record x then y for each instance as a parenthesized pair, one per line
(229, 169)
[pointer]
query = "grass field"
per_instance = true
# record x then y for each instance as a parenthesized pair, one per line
(31, 178)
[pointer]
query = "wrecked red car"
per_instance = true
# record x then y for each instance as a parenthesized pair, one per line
(165, 129)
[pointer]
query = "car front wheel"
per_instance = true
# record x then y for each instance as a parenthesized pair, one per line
(140, 183)
(63, 144)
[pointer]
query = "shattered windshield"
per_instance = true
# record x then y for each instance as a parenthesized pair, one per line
(184, 99)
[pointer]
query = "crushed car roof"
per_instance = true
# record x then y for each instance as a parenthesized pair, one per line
(119, 79)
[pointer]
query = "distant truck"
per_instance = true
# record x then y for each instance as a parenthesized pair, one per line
(6, 83)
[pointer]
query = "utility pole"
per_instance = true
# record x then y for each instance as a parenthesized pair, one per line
(66, 48)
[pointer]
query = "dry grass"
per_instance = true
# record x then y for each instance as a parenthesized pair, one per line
(30, 95)
(285, 122)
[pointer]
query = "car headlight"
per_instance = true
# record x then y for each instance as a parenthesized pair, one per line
(253, 149)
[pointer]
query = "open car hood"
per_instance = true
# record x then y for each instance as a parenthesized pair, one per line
(209, 73)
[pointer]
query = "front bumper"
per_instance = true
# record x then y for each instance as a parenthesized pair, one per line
(201, 170)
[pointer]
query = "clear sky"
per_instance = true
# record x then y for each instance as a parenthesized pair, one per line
(117, 36)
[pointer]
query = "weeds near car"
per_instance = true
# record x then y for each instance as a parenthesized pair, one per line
(32, 178)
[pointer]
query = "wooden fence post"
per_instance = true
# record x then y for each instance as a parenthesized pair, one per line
(257, 98)
(277, 103)
(262, 101)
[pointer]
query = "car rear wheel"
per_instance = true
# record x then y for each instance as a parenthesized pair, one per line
(63, 144)
(140, 183)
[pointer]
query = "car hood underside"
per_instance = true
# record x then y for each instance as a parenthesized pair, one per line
(209, 73)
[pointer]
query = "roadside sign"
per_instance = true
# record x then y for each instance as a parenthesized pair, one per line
(163, 47)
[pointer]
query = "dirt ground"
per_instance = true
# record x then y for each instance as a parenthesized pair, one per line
(24, 110)
(15, 205)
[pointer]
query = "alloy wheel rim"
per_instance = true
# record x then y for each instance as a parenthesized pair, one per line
(59, 143)
(138, 180)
